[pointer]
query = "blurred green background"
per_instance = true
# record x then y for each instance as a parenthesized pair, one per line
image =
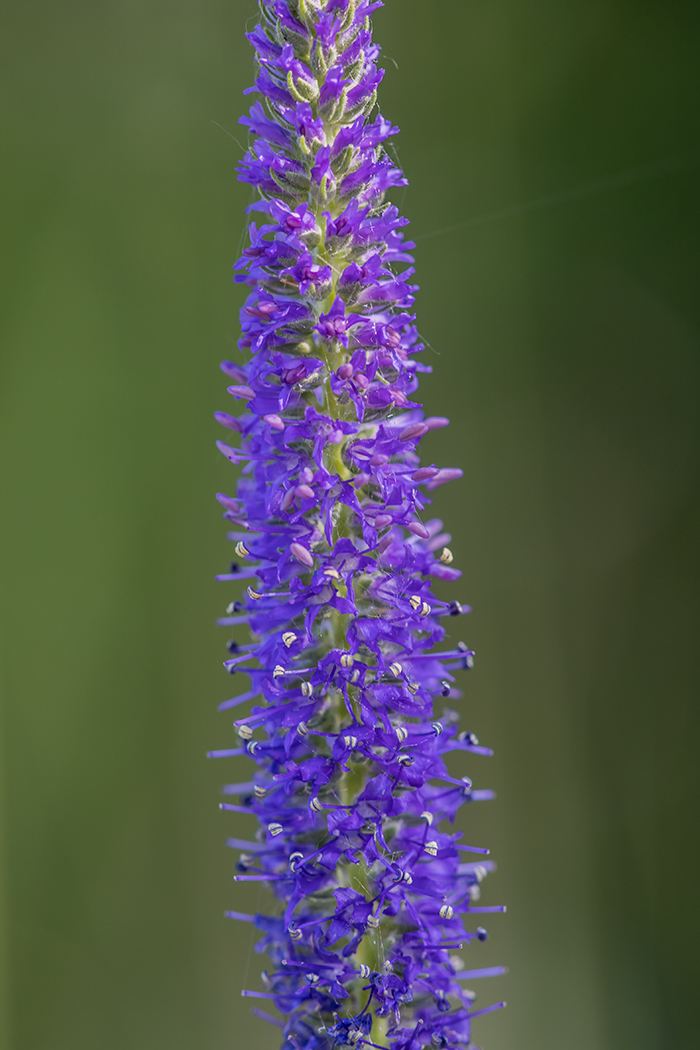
(565, 346)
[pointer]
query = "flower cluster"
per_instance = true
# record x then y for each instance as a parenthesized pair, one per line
(351, 787)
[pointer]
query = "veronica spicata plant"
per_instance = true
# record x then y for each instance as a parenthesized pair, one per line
(351, 789)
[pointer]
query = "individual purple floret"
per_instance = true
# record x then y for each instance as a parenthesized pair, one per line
(351, 790)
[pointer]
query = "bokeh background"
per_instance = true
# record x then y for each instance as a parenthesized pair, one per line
(564, 335)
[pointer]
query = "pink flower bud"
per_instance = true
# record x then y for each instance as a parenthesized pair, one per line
(412, 431)
(418, 529)
(227, 421)
(302, 554)
(241, 392)
(274, 420)
(228, 502)
(233, 371)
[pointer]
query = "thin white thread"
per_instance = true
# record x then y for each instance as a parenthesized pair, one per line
(588, 189)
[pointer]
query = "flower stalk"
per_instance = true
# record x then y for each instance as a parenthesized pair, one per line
(351, 789)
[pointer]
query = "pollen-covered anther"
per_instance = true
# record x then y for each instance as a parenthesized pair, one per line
(447, 911)
(425, 609)
(412, 687)
(231, 608)
(431, 848)
(347, 660)
(294, 859)
(373, 922)
(364, 971)
(405, 760)
(355, 675)
(407, 878)
(294, 933)
(401, 733)
(278, 671)
(302, 729)
(446, 556)
(289, 638)
(427, 816)
(437, 728)
(241, 550)
(253, 746)
(333, 573)
(415, 602)
(445, 687)
(307, 689)
(312, 978)
(245, 732)
(259, 791)
(395, 669)
(316, 805)
(255, 595)
(350, 741)
(275, 829)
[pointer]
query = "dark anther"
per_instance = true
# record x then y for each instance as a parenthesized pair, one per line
(455, 609)
(445, 685)
(234, 567)
(232, 646)
(481, 933)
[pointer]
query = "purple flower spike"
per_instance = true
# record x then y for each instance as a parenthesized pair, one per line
(335, 553)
